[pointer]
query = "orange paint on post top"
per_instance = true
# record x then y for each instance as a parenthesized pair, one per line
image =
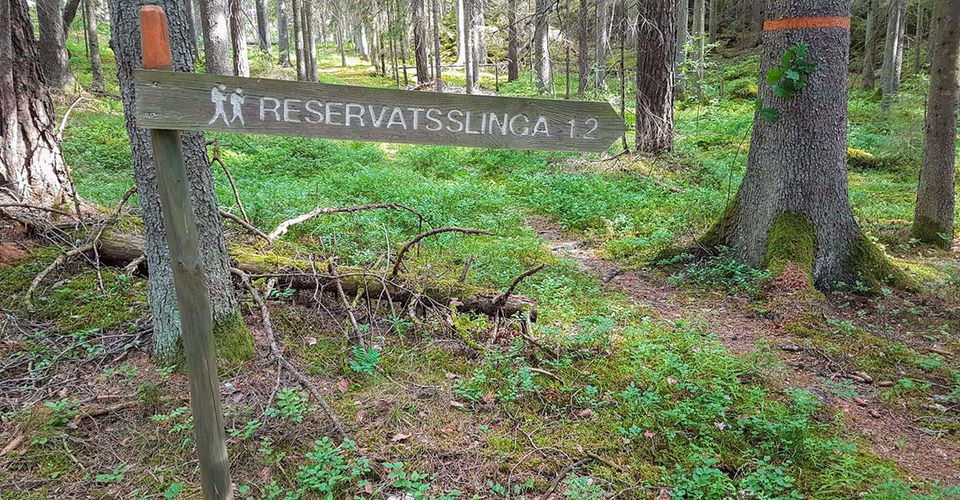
(806, 23)
(154, 38)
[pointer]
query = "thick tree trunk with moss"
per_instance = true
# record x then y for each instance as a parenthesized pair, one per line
(795, 186)
(656, 36)
(933, 222)
(32, 169)
(231, 333)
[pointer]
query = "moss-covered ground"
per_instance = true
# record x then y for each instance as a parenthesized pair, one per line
(622, 401)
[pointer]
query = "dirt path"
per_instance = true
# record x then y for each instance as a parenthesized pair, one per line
(891, 434)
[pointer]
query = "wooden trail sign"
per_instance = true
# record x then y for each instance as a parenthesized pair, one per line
(189, 101)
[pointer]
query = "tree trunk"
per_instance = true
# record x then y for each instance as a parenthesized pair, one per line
(283, 39)
(188, 10)
(893, 52)
(309, 40)
(298, 40)
(792, 208)
(263, 26)
(420, 41)
(438, 56)
(69, 14)
(32, 169)
(583, 50)
(683, 35)
(238, 39)
(603, 43)
(714, 19)
(478, 44)
(870, 45)
(461, 33)
(934, 219)
(656, 36)
(215, 26)
(234, 342)
(918, 40)
(90, 13)
(54, 61)
(513, 42)
(402, 18)
(542, 71)
(467, 7)
(700, 43)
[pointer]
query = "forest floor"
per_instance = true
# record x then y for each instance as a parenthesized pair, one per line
(686, 379)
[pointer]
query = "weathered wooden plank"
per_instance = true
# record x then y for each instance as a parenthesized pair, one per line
(188, 101)
(196, 322)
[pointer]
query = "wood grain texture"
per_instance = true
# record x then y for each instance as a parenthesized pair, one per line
(183, 101)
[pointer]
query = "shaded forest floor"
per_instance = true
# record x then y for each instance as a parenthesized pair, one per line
(690, 380)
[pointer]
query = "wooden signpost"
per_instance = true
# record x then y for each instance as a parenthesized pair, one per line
(168, 102)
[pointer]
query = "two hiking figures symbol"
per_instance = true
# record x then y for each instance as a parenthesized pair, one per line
(218, 97)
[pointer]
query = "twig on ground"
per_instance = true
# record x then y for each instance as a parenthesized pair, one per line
(547, 373)
(556, 481)
(62, 258)
(246, 225)
(284, 226)
(502, 299)
(66, 115)
(416, 239)
(13, 444)
(106, 410)
(346, 303)
(35, 207)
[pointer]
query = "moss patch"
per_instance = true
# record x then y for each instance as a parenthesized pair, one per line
(859, 158)
(233, 340)
(872, 268)
(930, 232)
(791, 239)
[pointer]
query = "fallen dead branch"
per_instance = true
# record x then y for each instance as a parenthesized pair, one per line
(284, 226)
(516, 281)
(416, 239)
(233, 185)
(282, 362)
(246, 225)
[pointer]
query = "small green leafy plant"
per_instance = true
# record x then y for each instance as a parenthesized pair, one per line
(365, 360)
(291, 405)
(787, 79)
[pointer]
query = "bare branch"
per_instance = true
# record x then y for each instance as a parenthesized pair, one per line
(284, 226)
(246, 225)
(502, 299)
(416, 239)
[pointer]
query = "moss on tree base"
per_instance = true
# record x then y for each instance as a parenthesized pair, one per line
(233, 340)
(930, 232)
(791, 239)
(872, 268)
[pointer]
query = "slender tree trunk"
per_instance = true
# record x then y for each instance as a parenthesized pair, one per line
(513, 42)
(566, 49)
(700, 43)
(918, 40)
(215, 25)
(437, 60)
(401, 16)
(461, 33)
(583, 50)
(478, 43)
(542, 71)
(468, 66)
(234, 342)
(420, 41)
(263, 26)
(90, 13)
(188, 12)
(934, 219)
(300, 54)
(69, 14)
(54, 60)
(683, 35)
(283, 38)
(32, 169)
(792, 208)
(870, 45)
(656, 36)
(309, 40)
(893, 52)
(603, 43)
(624, 16)
(241, 63)
(714, 19)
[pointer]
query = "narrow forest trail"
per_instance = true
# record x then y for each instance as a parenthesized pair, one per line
(890, 433)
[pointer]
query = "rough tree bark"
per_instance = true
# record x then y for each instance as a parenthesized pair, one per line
(792, 209)
(263, 25)
(934, 219)
(420, 40)
(513, 42)
(542, 71)
(309, 40)
(656, 36)
(54, 60)
(238, 39)
(69, 14)
(583, 49)
(682, 17)
(234, 342)
(32, 169)
(188, 9)
(870, 45)
(603, 43)
(283, 38)
(215, 27)
(90, 17)
(893, 52)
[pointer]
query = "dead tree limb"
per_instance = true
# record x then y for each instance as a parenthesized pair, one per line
(284, 226)
(233, 185)
(416, 239)
(516, 281)
(246, 225)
